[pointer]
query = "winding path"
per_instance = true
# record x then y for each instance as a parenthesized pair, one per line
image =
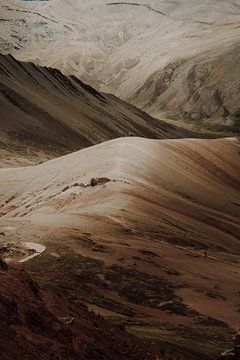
(38, 250)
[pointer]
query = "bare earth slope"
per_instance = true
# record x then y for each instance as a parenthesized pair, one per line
(178, 54)
(125, 224)
(45, 114)
(34, 325)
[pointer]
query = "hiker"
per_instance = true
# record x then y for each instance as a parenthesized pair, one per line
(205, 253)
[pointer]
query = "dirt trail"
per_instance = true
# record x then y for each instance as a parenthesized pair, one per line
(37, 248)
(207, 256)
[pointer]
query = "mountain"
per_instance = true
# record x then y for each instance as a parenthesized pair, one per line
(46, 114)
(126, 224)
(209, 95)
(177, 57)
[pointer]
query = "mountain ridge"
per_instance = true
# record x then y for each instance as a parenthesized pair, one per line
(47, 114)
(117, 49)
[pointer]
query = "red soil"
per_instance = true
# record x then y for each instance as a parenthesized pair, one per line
(34, 325)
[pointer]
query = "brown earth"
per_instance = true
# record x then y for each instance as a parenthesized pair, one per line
(34, 325)
(133, 248)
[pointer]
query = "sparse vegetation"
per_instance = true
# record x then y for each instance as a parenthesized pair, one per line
(212, 293)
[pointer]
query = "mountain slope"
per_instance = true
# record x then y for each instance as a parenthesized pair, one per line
(45, 114)
(202, 90)
(125, 225)
(34, 324)
(168, 176)
(155, 47)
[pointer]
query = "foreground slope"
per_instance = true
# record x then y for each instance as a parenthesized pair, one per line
(156, 49)
(36, 325)
(125, 225)
(45, 114)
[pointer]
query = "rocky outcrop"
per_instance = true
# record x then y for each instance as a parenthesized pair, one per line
(234, 353)
(99, 181)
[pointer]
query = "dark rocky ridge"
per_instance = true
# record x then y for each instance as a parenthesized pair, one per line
(45, 114)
